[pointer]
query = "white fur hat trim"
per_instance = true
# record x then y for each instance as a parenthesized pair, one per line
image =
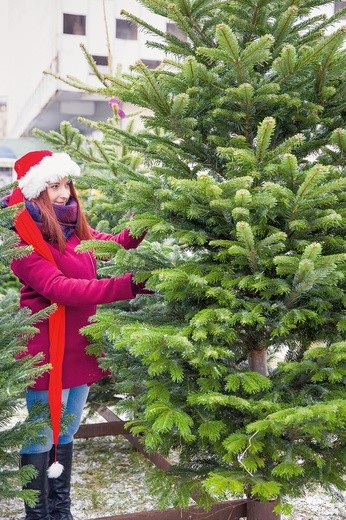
(51, 168)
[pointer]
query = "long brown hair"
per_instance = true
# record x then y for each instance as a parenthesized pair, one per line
(50, 225)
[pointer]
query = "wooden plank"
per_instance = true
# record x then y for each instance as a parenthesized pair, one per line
(233, 510)
(261, 510)
(86, 431)
(159, 460)
(108, 415)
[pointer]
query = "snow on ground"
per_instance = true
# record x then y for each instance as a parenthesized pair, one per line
(108, 478)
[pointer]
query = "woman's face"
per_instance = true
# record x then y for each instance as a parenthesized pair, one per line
(60, 191)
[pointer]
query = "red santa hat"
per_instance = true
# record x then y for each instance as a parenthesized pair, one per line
(35, 170)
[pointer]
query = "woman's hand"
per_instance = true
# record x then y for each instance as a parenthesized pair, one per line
(139, 288)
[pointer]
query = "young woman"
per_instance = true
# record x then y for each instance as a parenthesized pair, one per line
(54, 224)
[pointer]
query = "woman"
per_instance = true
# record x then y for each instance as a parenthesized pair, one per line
(54, 224)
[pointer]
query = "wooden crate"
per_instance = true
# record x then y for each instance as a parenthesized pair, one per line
(230, 510)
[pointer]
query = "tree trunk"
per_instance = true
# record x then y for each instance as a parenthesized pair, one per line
(257, 360)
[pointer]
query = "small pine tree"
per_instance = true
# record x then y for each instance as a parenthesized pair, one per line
(15, 375)
(242, 185)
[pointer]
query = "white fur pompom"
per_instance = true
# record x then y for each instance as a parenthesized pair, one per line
(55, 470)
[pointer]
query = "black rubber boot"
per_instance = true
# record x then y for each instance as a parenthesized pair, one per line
(59, 499)
(39, 483)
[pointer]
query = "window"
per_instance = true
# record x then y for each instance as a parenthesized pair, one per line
(74, 24)
(339, 5)
(151, 64)
(172, 28)
(100, 60)
(101, 64)
(125, 30)
(7, 160)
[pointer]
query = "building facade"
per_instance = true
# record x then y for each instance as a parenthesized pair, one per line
(48, 38)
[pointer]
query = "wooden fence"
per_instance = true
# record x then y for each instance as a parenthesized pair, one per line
(230, 510)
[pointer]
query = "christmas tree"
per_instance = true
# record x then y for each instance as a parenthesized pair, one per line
(15, 375)
(241, 185)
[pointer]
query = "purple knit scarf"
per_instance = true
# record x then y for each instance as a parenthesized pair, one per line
(67, 215)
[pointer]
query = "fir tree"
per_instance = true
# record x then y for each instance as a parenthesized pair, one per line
(242, 186)
(15, 375)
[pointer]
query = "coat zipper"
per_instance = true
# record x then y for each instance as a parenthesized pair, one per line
(92, 263)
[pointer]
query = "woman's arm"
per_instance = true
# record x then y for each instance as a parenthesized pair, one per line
(123, 238)
(47, 280)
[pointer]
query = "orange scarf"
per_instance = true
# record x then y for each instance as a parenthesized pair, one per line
(29, 232)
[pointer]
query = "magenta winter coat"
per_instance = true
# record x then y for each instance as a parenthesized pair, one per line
(72, 283)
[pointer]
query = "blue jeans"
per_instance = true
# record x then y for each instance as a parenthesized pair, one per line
(73, 400)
